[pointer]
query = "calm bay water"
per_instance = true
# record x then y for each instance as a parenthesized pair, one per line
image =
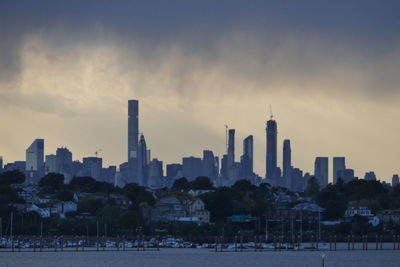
(201, 258)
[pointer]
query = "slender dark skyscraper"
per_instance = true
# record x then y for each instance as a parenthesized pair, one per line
(231, 147)
(133, 136)
(142, 162)
(247, 158)
(287, 158)
(271, 159)
(321, 171)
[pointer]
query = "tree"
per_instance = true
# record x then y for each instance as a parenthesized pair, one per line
(131, 191)
(81, 184)
(201, 183)
(145, 197)
(12, 177)
(7, 195)
(55, 181)
(312, 188)
(243, 186)
(181, 184)
(91, 205)
(65, 195)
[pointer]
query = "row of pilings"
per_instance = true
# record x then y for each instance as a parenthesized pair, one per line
(349, 242)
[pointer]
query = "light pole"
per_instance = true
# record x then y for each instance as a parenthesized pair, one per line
(319, 225)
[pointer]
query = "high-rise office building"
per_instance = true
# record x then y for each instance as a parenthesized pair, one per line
(35, 155)
(51, 163)
(174, 171)
(347, 175)
(247, 157)
(64, 161)
(321, 171)
(123, 175)
(208, 165)
(133, 138)
(271, 156)
(155, 174)
(339, 164)
(395, 180)
(296, 180)
(108, 174)
(142, 161)
(35, 161)
(224, 166)
(191, 167)
(92, 167)
(370, 176)
(231, 147)
(287, 158)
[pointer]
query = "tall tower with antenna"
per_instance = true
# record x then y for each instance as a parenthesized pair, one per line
(271, 146)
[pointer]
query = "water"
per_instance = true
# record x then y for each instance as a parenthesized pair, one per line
(201, 258)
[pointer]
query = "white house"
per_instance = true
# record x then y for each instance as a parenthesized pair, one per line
(196, 208)
(358, 210)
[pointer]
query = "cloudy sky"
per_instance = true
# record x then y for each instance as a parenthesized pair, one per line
(330, 69)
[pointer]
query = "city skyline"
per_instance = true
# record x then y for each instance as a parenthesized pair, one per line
(140, 168)
(330, 73)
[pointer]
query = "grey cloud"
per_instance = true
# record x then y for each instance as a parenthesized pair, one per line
(280, 40)
(39, 102)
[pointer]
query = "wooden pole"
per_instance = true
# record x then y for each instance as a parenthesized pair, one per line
(235, 243)
(335, 239)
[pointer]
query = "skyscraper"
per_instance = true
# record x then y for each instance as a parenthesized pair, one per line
(191, 167)
(51, 163)
(271, 158)
(142, 161)
(208, 165)
(339, 165)
(395, 180)
(347, 175)
(321, 171)
(231, 147)
(174, 171)
(370, 176)
(247, 158)
(155, 174)
(35, 160)
(35, 155)
(92, 167)
(287, 158)
(133, 136)
(64, 161)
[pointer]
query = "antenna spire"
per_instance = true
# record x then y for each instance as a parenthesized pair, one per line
(270, 111)
(226, 137)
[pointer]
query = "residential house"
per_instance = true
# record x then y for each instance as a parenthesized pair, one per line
(168, 209)
(196, 208)
(358, 210)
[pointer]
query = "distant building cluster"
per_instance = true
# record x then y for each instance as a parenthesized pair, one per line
(149, 172)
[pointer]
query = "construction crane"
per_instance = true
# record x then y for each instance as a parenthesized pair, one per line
(97, 152)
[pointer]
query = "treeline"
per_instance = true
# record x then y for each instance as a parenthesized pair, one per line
(103, 214)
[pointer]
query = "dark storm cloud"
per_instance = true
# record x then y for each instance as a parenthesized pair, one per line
(368, 28)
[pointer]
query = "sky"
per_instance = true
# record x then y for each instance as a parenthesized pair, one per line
(330, 70)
